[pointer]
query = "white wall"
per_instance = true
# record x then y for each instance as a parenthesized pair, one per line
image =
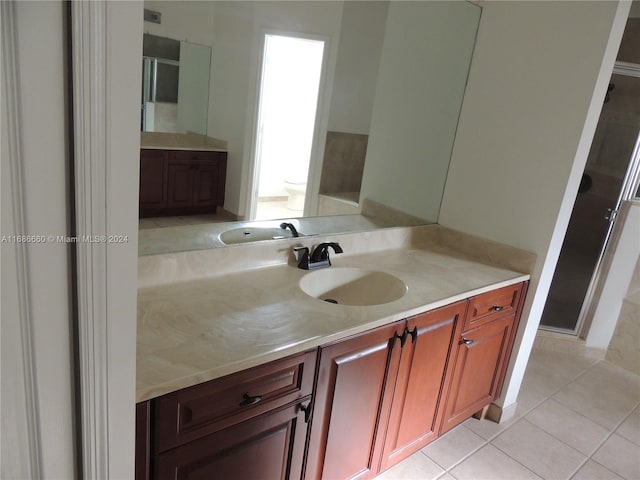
(425, 60)
(187, 21)
(357, 64)
(536, 87)
(43, 144)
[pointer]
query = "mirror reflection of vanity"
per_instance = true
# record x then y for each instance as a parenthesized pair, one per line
(396, 73)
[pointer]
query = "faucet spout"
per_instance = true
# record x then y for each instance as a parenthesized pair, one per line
(321, 252)
(285, 225)
(318, 258)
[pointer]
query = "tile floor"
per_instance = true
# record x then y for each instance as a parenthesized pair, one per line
(178, 221)
(275, 209)
(578, 418)
(266, 210)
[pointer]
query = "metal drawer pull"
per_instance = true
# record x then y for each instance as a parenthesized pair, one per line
(497, 308)
(249, 400)
(466, 341)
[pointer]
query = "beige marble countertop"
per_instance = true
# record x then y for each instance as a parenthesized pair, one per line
(181, 141)
(197, 330)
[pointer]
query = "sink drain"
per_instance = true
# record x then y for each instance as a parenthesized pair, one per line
(330, 300)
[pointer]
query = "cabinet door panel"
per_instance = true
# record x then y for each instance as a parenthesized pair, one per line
(152, 181)
(270, 446)
(205, 185)
(345, 443)
(414, 415)
(180, 185)
(479, 361)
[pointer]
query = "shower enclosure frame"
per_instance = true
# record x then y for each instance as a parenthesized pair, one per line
(629, 189)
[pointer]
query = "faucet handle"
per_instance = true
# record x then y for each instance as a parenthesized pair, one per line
(303, 258)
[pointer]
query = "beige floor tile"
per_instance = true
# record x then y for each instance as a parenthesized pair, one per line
(532, 393)
(274, 210)
(489, 463)
(417, 466)
(630, 428)
(453, 446)
(488, 429)
(621, 456)
(594, 471)
(547, 372)
(446, 476)
(537, 450)
(606, 394)
(572, 428)
(557, 368)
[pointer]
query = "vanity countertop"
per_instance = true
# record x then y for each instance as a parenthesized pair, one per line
(181, 141)
(197, 330)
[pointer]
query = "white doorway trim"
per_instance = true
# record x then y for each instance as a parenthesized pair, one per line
(250, 181)
(21, 449)
(106, 51)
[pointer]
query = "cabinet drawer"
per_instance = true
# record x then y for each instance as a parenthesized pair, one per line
(197, 411)
(193, 155)
(491, 305)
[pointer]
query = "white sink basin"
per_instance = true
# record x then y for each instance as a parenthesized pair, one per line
(253, 234)
(353, 286)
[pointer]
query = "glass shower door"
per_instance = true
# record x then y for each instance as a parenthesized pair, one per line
(610, 159)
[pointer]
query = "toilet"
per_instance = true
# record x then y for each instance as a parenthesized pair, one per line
(296, 191)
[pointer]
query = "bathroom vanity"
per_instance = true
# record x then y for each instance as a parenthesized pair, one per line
(181, 174)
(246, 375)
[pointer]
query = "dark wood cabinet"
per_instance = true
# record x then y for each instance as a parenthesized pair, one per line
(181, 182)
(482, 350)
(350, 407)
(270, 446)
(153, 182)
(377, 396)
(251, 424)
(415, 411)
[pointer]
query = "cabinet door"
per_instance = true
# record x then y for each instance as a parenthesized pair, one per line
(180, 185)
(349, 418)
(477, 370)
(205, 184)
(270, 446)
(152, 182)
(415, 413)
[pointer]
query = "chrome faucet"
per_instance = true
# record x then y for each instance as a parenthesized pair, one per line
(285, 225)
(319, 258)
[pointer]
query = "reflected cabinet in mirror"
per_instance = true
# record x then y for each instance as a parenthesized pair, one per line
(331, 116)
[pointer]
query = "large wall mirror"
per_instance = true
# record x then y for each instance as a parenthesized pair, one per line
(394, 75)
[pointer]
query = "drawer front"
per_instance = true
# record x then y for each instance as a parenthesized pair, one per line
(193, 155)
(491, 305)
(197, 411)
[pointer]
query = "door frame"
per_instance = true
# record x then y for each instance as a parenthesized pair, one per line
(628, 189)
(252, 179)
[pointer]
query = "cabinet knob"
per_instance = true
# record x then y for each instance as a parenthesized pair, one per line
(497, 308)
(466, 341)
(249, 400)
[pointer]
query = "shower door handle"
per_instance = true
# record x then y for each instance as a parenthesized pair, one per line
(611, 214)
